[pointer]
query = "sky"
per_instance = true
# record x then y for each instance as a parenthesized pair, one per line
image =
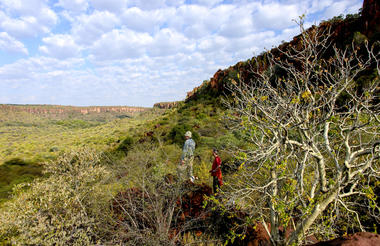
(137, 52)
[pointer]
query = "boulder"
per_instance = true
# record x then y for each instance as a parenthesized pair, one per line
(357, 239)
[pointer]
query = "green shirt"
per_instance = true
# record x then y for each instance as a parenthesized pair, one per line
(188, 149)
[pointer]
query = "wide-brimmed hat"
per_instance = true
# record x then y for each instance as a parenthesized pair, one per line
(188, 134)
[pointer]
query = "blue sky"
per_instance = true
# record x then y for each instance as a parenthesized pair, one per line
(137, 52)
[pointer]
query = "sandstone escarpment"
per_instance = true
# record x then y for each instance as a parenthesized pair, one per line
(59, 110)
(165, 105)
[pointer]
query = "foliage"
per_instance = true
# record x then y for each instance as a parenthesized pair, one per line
(60, 209)
(28, 139)
(270, 160)
(76, 123)
(32, 137)
(126, 144)
(16, 171)
(307, 152)
(177, 133)
(145, 214)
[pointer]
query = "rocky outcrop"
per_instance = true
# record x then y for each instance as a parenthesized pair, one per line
(165, 105)
(371, 17)
(357, 239)
(59, 110)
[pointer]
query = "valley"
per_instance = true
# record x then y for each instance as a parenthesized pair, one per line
(296, 129)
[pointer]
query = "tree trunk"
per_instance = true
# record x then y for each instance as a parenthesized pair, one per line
(309, 220)
(273, 214)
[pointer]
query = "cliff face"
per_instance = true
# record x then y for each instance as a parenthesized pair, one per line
(371, 18)
(58, 110)
(342, 33)
(165, 105)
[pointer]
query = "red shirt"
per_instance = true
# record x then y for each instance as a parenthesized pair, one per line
(216, 164)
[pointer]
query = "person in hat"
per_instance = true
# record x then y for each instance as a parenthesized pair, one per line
(187, 157)
(216, 172)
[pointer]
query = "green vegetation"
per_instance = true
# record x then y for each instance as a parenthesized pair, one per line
(73, 197)
(77, 201)
(27, 140)
(16, 171)
(110, 179)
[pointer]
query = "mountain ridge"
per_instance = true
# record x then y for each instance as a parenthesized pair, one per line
(343, 31)
(59, 109)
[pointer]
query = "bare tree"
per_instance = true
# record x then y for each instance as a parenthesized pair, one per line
(152, 211)
(312, 135)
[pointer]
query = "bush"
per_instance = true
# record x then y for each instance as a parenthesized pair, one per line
(177, 134)
(59, 209)
(76, 123)
(15, 162)
(16, 171)
(201, 116)
(126, 144)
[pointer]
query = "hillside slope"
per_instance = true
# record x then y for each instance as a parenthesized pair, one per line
(129, 194)
(354, 28)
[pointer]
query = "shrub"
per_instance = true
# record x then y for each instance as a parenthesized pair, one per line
(16, 171)
(58, 210)
(15, 162)
(177, 133)
(201, 116)
(126, 144)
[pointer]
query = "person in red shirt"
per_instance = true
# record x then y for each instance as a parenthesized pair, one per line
(216, 172)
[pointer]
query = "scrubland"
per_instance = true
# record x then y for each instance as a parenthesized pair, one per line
(65, 173)
(298, 133)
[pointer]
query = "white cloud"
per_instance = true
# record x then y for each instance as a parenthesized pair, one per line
(219, 15)
(174, 3)
(146, 21)
(212, 44)
(121, 44)
(73, 5)
(196, 31)
(339, 7)
(239, 24)
(126, 82)
(89, 28)
(187, 15)
(198, 21)
(253, 42)
(21, 7)
(319, 5)
(60, 46)
(137, 52)
(109, 5)
(33, 68)
(47, 17)
(168, 42)
(26, 18)
(148, 4)
(10, 44)
(208, 2)
(275, 16)
(29, 26)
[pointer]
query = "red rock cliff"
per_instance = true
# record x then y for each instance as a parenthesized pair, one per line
(165, 105)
